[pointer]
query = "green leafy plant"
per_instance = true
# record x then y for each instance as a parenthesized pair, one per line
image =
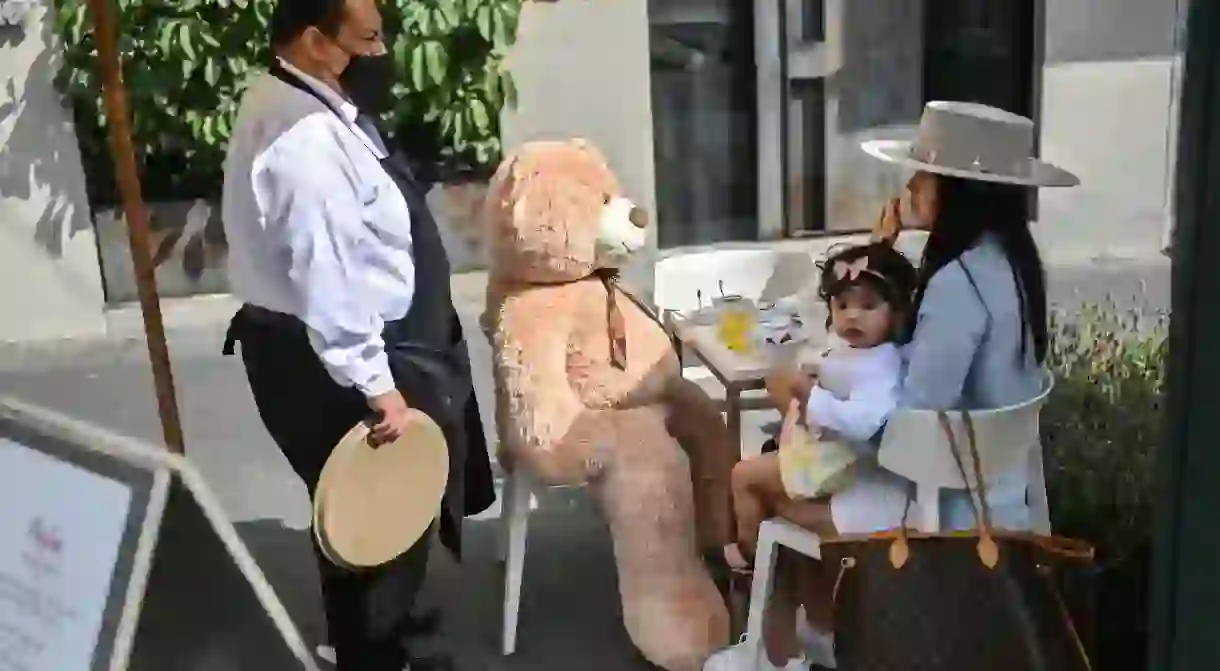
(187, 63)
(1103, 423)
(451, 54)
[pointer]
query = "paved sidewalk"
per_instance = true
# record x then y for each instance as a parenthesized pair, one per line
(569, 617)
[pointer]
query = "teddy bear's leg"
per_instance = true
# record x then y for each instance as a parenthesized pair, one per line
(671, 608)
(570, 464)
(695, 421)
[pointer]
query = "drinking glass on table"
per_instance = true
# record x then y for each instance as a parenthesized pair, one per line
(736, 323)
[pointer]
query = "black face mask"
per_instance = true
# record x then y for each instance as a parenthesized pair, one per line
(369, 81)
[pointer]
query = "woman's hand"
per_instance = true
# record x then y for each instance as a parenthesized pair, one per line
(889, 225)
(786, 385)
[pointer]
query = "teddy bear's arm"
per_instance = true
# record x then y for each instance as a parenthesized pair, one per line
(547, 424)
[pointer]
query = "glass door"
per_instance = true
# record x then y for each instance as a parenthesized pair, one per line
(983, 51)
(703, 121)
(759, 109)
(986, 52)
(830, 74)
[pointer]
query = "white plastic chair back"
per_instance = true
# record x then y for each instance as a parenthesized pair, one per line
(679, 280)
(915, 447)
(911, 244)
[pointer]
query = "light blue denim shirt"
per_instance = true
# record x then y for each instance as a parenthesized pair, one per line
(966, 354)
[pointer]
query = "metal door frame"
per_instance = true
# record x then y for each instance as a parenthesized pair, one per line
(1185, 583)
(773, 62)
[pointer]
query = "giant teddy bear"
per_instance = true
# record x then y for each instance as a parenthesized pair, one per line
(590, 391)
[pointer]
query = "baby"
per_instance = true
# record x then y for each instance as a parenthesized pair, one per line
(868, 290)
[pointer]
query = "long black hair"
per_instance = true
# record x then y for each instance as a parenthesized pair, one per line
(969, 209)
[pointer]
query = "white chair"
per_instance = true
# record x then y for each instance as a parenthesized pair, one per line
(678, 283)
(911, 244)
(516, 502)
(681, 279)
(516, 498)
(915, 447)
(685, 282)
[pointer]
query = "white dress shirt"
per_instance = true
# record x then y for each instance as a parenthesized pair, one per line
(316, 228)
(857, 390)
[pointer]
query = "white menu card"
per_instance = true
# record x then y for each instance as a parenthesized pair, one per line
(60, 533)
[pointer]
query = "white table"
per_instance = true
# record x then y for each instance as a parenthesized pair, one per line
(739, 372)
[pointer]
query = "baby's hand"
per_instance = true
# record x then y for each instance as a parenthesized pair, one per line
(781, 387)
(792, 418)
(784, 386)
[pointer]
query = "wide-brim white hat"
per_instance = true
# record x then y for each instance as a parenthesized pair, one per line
(372, 504)
(973, 141)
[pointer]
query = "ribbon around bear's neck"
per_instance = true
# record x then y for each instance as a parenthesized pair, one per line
(616, 326)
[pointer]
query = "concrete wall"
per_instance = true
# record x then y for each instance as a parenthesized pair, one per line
(50, 280)
(1109, 30)
(581, 69)
(878, 88)
(1109, 110)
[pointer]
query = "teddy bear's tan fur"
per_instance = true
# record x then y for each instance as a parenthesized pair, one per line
(635, 433)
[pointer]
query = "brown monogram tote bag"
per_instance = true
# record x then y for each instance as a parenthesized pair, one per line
(972, 601)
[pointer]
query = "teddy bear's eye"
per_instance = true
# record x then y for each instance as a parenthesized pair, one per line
(606, 199)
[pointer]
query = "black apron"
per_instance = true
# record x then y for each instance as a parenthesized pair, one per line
(307, 412)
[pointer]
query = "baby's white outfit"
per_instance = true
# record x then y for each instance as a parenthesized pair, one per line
(874, 380)
(856, 392)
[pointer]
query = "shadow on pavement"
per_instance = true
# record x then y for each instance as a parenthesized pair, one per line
(286, 558)
(199, 612)
(569, 608)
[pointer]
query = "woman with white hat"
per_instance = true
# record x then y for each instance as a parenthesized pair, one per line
(977, 339)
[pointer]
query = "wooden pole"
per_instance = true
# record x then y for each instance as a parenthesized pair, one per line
(118, 119)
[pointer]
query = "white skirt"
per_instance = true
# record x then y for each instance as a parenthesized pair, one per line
(876, 501)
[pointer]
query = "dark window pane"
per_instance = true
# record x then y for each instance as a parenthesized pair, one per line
(704, 122)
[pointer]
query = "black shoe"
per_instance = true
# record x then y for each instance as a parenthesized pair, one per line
(423, 625)
(439, 662)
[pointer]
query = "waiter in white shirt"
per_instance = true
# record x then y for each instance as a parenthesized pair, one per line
(345, 281)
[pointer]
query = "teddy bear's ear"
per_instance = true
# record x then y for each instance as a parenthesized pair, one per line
(589, 148)
(508, 168)
(512, 163)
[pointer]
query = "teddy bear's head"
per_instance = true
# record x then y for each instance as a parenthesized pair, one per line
(555, 213)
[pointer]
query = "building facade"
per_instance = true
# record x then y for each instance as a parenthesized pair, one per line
(758, 110)
(735, 122)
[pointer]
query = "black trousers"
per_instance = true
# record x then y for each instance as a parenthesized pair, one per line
(368, 613)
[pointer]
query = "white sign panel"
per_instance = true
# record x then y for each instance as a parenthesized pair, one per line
(61, 528)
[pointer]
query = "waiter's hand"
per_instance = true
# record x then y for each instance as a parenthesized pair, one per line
(391, 419)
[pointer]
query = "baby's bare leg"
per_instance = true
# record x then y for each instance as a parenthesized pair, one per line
(758, 492)
(815, 581)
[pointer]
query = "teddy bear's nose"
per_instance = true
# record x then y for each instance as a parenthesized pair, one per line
(638, 217)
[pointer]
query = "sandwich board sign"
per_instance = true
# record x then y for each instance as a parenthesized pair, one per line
(115, 555)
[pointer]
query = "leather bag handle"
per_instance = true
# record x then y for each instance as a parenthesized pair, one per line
(988, 550)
